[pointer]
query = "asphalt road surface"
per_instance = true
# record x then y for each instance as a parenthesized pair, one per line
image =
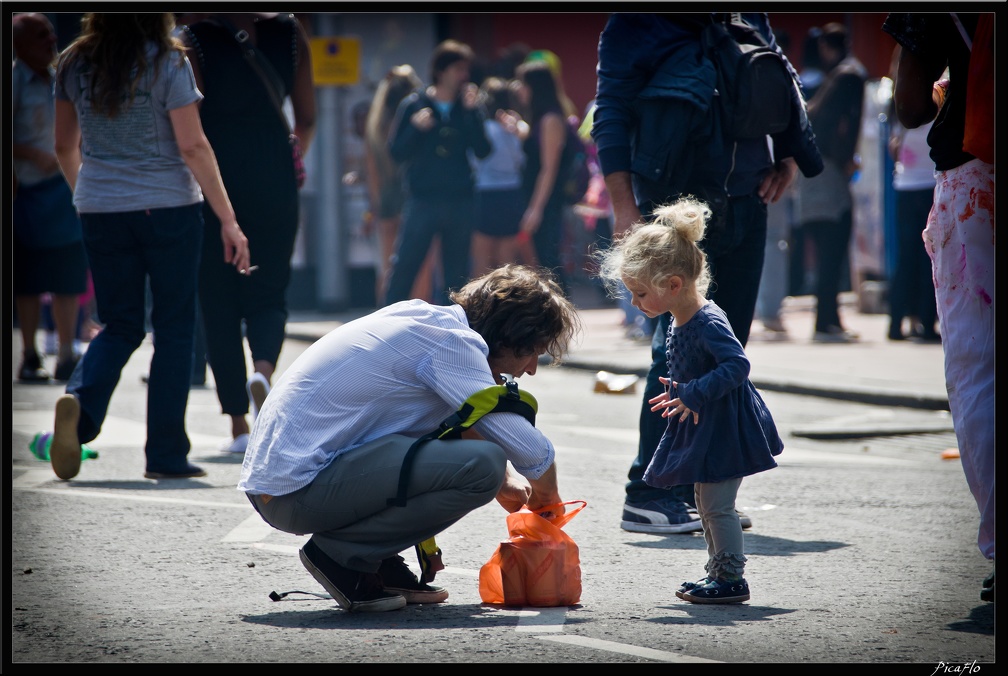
(862, 552)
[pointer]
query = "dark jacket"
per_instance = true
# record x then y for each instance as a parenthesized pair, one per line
(436, 162)
(836, 110)
(654, 117)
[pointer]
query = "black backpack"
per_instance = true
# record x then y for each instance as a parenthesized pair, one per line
(754, 85)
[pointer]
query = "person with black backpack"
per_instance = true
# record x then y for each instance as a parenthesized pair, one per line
(662, 132)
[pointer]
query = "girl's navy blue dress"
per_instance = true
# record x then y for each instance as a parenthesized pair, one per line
(736, 435)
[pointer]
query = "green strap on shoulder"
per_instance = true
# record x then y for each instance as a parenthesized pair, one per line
(506, 397)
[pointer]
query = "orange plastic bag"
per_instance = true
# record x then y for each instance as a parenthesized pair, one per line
(538, 565)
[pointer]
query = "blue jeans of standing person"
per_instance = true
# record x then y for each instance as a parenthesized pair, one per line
(774, 279)
(735, 258)
(424, 217)
(123, 249)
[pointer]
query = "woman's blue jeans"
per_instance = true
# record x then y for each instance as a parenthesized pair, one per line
(423, 218)
(125, 248)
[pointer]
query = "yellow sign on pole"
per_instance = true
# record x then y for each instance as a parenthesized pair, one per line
(335, 61)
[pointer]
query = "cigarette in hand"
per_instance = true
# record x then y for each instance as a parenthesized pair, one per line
(249, 270)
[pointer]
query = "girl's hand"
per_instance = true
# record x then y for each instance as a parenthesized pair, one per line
(671, 406)
(659, 402)
(662, 400)
(677, 407)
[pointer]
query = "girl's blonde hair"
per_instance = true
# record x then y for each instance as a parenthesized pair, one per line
(651, 252)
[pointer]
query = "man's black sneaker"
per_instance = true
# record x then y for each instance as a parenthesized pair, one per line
(353, 590)
(396, 577)
(660, 516)
(718, 591)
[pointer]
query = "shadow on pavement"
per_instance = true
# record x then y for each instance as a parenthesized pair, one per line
(980, 620)
(755, 544)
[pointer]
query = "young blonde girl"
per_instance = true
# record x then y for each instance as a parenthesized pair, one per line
(719, 430)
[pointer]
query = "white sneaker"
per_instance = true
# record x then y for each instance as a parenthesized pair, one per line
(237, 445)
(258, 388)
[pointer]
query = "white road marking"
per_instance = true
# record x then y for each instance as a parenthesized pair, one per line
(792, 454)
(536, 620)
(252, 529)
(618, 434)
(118, 495)
(623, 648)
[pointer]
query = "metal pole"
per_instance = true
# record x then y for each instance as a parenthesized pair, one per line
(331, 253)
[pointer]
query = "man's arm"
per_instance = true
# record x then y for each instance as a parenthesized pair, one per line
(613, 119)
(625, 211)
(544, 490)
(778, 180)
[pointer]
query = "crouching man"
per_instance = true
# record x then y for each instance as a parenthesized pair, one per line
(327, 448)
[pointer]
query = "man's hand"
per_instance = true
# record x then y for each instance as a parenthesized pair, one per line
(776, 183)
(544, 491)
(515, 492)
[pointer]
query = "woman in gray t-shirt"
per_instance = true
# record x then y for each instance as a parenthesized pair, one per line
(129, 141)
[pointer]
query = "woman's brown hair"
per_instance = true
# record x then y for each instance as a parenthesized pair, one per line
(115, 47)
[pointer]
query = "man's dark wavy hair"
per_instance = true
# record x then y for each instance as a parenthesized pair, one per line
(520, 308)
